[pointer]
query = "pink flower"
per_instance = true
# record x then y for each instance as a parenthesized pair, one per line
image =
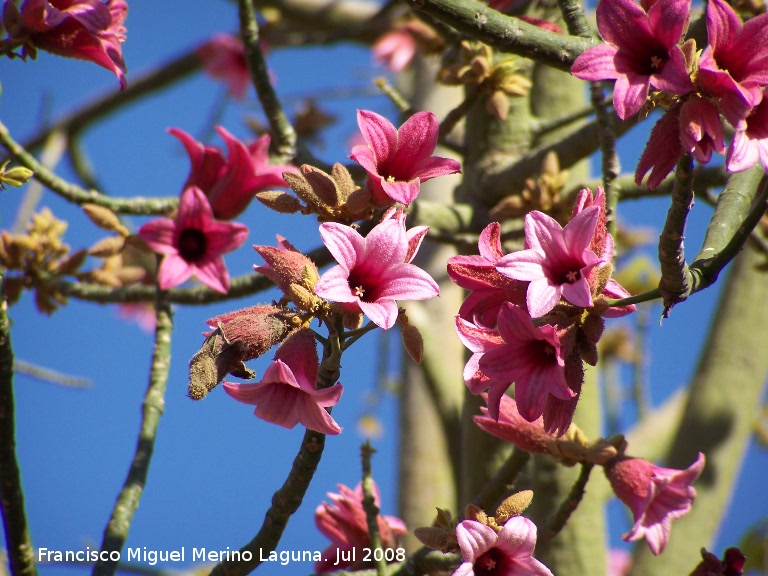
(395, 49)
(531, 357)
(509, 425)
(505, 553)
(193, 243)
(223, 58)
(344, 523)
(655, 495)
(641, 50)
(693, 127)
(557, 261)
(374, 272)
(701, 130)
(286, 394)
(662, 151)
(489, 288)
(750, 145)
(85, 29)
(230, 184)
(479, 340)
(399, 159)
(734, 66)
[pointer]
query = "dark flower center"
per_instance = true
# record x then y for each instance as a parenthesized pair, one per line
(362, 287)
(492, 563)
(192, 244)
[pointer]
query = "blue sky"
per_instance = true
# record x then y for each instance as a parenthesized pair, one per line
(215, 465)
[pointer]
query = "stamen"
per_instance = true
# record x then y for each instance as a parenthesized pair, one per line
(656, 62)
(572, 276)
(358, 291)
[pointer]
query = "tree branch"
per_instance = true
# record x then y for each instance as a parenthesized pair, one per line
(116, 532)
(21, 553)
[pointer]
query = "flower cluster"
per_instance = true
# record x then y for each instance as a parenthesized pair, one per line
(84, 29)
(645, 52)
(218, 188)
(534, 316)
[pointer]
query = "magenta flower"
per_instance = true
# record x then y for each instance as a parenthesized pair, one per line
(395, 49)
(223, 58)
(662, 151)
(655, 495)
(734, 67)
(374, 272)
(532, 358)
(479, 340)
(286, 394)
(505, 553)
(399, 159)
(192, 243)
(509, 425)
(84, 29)
(701, 130)
(750, 145)
(230, 184)
(344, 523)
(641, 50)
(489, 288)
(557, 261)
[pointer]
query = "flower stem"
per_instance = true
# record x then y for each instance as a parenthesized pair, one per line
(21, 554)
(116, 532)
(497, 487)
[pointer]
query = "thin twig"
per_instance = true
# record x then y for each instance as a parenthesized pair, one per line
(372, 510)
(116, 532)
(498, 487)
(394, 95)
(21, 554)
(568, 506)
(285, 135)
(78, 195)
(48, 375)
(610, 161)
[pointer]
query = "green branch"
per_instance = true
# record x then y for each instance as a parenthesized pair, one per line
(21, 554)
(78, 195)
(116, 532)
(371, 509)
(505, 33)
(278, 121)
(569, 505)
(674, 285)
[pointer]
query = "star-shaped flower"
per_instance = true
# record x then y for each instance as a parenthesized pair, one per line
(374, 272)
(640, 50)
(508, 552)
(193, 243)
(557, 261)
(398, 160)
